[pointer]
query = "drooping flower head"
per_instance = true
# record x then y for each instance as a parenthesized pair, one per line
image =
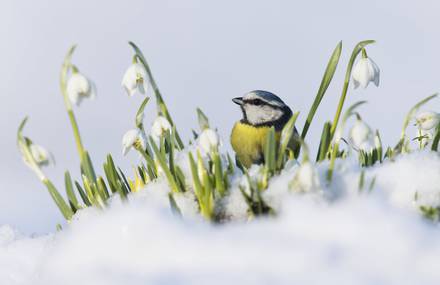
(133, 139)
(428, 120)
(305, 179)
(41, 156)
(209, 141)
(365, 71)
(135, 79)
(79, 87)
(361, 136)
(160, 126)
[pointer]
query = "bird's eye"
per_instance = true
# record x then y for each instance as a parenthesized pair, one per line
(257, 102)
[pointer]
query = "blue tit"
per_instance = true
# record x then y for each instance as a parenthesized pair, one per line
(261, 111)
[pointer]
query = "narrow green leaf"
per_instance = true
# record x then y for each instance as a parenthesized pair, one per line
(70, 193)
(140, 113)
(436, 140)
(325, 82)
(87, 167)
(174, 206)
(125, 183)
(286, 138)
(325, 142)
(83, 194)
(59, 200)
(195, 175)
(218, 174)
(163, 164)
(203, 119)
(102, 188)
(270, 151)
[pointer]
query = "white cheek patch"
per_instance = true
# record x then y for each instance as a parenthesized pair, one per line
(261, 114)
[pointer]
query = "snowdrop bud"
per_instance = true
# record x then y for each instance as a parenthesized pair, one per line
(364, 71)
(428, 120)
(160, 126)
(80, 87)
(135, 79)
(377, 141)
(361, 135)
(209, 140)
(306, 179)
(133, 139)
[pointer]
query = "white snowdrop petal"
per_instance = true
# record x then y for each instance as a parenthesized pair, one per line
(160, 126)
(135, 79)
(79, 87)
(360, 134)
(428, 120)
(131, 139)
(208, 140)
(365, 71)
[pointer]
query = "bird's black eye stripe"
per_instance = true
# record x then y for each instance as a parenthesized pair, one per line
(256, 102)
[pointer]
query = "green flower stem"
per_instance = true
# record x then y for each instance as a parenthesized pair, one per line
(150, 163)
(354, 54)
(159, 99)
(76, 134)
(335, 150)
(63, 82)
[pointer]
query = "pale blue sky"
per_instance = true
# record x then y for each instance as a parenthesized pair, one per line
(202, 54)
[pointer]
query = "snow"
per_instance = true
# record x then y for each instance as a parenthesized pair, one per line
(334, 235)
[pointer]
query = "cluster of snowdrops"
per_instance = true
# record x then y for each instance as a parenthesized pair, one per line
(199, 173)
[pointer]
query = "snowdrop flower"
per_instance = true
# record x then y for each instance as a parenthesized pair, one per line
(133, 139)
(209, 141)
(135, 79)
(79, 87)
(361, 136)
(40, 156)
(428, 120)
(35, 157)
(364, 71)
(160, 126)
(306, 179)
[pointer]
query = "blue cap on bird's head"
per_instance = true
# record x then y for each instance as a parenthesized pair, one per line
(263, 108)
(260, 97)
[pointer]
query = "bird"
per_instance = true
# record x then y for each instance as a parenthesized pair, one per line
(261, 110)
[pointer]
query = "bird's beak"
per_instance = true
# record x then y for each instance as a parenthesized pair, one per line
(238, 100)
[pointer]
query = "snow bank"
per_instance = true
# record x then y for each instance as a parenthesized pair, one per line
(333, 236)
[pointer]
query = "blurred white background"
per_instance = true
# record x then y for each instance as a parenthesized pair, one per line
(202, 54)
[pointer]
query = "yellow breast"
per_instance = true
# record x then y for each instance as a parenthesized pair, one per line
(248, 142)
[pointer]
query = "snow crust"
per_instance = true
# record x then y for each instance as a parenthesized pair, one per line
(334, 235)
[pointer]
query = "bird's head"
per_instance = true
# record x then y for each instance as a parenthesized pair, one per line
(262, 108)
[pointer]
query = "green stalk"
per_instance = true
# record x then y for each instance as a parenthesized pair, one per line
(159, 99)
(348, 113)
(63, 82)
(357, 49)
